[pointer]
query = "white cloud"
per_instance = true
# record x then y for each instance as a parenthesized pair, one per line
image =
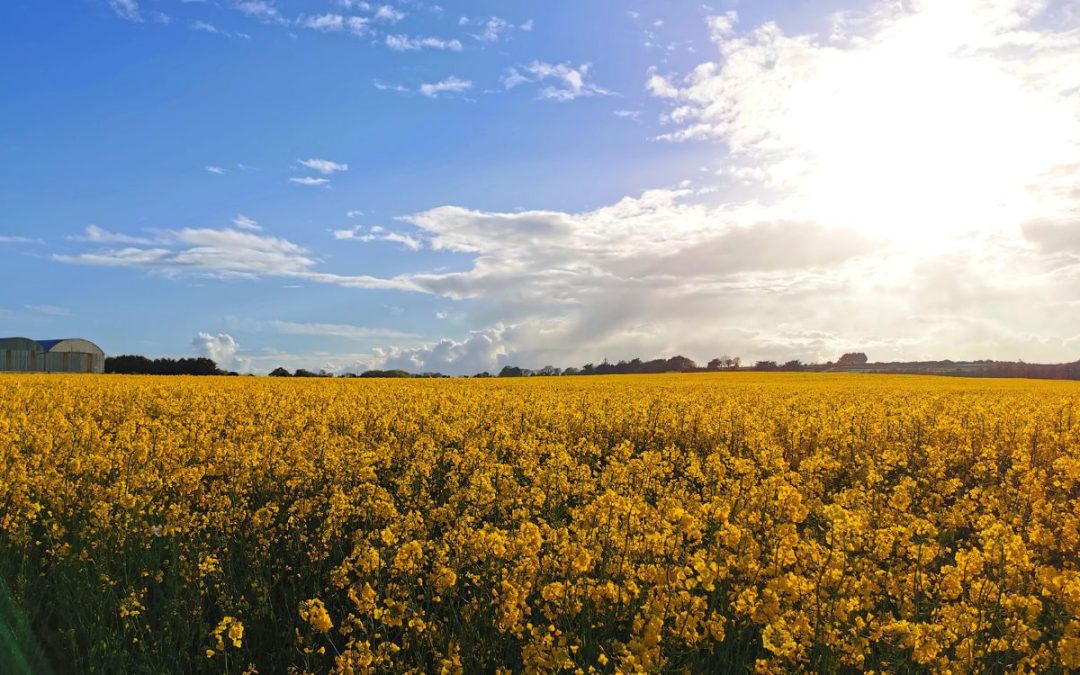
(402, 43)
(386, 86)
(330, 23)
(259, 9)
(895, 120)
(245, 223)
(377, 233)
(573, 82)
(658, 85)
(323, 166)
(13, 239)
(222, 254)
(324, 22)
(222, 349)
(215, 169)
(494, 29)
(49, 310)
(98, 235)
(452, 84)
(309, 180)
(628, 114)
(126, 9)
(482, 351)
(389, 14)
(338, 330)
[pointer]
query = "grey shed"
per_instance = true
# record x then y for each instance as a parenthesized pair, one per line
(71, 355)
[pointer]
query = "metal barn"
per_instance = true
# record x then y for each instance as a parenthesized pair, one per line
(72, 355)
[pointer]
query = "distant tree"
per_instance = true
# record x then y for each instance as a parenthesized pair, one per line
(571, 371)
(280, 372)
(300, 372)
(483, 374)
(680, 364)
(512, 371)
(385, 374)
(765, 365)
(549, 371)
(852, 359)
(715, 364)
(732, 362)
(794, 364)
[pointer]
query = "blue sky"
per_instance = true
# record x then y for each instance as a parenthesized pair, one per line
(328, 183)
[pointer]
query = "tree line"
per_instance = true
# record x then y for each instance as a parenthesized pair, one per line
(131, 364)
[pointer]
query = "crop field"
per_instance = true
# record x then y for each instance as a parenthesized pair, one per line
(702, 522)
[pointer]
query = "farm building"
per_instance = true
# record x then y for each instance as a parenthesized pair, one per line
(72, 355)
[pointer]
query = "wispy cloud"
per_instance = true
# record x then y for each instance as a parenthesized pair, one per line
(99, 235)
(323, 166)
(206, 27)
(13, 239)
(309, 180)
(403, 43)
(387, 86)
(378, 233)
(224, 254)
(260, 9)
(338, 330)
(245, 223)
(452, 85)
(49, 310)
(495, 28)
(215, 169)
(572, 81)
(127, 9)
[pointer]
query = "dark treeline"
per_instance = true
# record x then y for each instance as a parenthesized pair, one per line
(300, 372)
(140, 365)
(851, 362)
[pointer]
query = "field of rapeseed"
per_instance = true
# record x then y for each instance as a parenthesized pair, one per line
(657, 523)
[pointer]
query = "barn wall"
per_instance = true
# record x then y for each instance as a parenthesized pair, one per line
(20, 360)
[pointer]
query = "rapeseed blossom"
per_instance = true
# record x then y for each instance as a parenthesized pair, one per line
(700, 522)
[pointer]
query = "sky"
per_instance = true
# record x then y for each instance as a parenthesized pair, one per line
(459, 186)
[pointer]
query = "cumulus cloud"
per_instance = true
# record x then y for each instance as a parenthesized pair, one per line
(571, 82)
(222, 349)
(389, 14)
(896, 116)
(483, 350)
(332, 23)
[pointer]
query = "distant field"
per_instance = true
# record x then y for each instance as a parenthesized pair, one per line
(702, 522)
